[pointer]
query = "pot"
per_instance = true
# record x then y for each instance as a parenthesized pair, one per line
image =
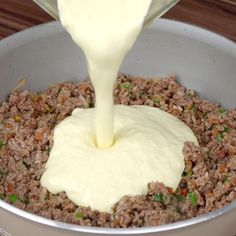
(201, 60)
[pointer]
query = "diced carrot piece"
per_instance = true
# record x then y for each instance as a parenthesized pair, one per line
(10, 188)
(184, 192)
(8, 125)
(38, 136)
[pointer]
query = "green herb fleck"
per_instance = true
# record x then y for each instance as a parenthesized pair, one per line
(156, 100)
(187, 173)
(126, 86)
(79, 216)
(2, 173)
(2, 196)
(26, 201)
(47, 150)
(194, 108)
(225, 180)
(36, 98)
(192, 197)
(47, 109)
(208, 152)
(190, 94)
(220, 137)
(59, 90)
(226, 129)
(13, 198)
(213, 126)
(178, 209)
(222, 111)
(178, 197)
(2, 143)
(160, 198)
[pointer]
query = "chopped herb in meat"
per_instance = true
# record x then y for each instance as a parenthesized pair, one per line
(192, 197)
(178, 210)
(13, 198)
(2, 143)
(79, 216)
(126, 86)
(59, 90)
(2, 173)
(160, 198)
(156, 100)
(190, 94)
(225, 129)
(187, 173)
(26, 201)
(47, 150)
(225, 180)
(221, 135)
(222, 111)
(208, 151)
(194, 108)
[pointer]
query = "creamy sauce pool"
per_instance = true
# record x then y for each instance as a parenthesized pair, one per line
(102, 154)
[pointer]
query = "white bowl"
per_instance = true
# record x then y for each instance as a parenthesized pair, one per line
(202, 60)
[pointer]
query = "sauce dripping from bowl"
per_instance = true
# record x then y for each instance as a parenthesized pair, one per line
(101, 154)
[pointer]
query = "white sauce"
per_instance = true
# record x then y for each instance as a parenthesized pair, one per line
(105, 30)
(148, 147)
(138, 144)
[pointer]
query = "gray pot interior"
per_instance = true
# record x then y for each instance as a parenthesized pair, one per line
(201, 60)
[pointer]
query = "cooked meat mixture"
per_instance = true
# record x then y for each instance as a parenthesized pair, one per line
(27, 120)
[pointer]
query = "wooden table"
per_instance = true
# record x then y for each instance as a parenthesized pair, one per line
(216, 15)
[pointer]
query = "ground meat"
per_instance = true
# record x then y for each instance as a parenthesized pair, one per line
(27, 120)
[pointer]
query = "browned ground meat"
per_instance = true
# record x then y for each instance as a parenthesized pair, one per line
(27, 120)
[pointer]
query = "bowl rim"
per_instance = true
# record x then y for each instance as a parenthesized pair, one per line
(47, 29)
